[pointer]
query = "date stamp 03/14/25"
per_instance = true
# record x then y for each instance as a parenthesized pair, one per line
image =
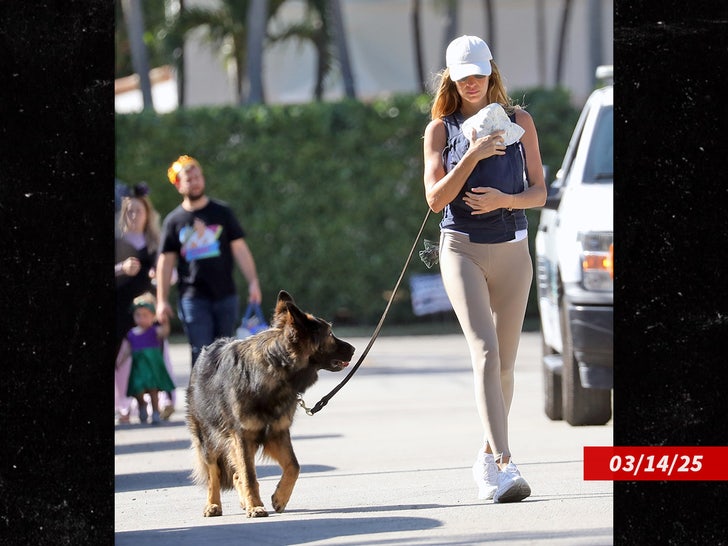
(660, 463)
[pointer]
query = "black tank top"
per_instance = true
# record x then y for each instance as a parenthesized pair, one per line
(504, 172)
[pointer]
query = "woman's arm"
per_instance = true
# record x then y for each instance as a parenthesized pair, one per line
(486, 199)
(535, 194)
(440, 187)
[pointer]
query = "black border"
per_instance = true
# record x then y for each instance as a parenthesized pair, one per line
(56, 141)
(57, 171)
(671, 285)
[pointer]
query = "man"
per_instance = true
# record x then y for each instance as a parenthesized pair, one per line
(202, 238)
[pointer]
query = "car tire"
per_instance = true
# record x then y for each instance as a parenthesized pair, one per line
(552, 386)
(580, 406)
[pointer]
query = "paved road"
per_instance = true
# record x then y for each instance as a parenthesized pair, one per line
(386, 462)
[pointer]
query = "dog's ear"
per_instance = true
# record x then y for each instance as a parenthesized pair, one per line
(284, 296)
(287, 312)
(281, 311)
(295, 322)
(298, 318)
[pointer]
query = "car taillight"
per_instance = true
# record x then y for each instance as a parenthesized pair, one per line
(597, 260)
(611, 261)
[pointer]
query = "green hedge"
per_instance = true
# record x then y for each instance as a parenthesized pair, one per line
(330, 194)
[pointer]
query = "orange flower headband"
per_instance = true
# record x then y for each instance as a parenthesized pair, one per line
(181, 162)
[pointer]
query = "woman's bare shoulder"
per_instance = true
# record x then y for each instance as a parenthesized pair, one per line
(522, 115)
(435, 135)
(435, 127)
(433, 124)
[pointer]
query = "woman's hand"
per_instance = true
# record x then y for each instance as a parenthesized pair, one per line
(131, 266)
(483, 200)
(487, 146)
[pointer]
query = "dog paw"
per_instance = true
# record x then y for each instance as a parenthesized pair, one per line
(257, 512)
(277, 505)
(212, 510)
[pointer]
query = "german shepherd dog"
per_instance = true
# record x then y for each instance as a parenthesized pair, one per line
(242, 396)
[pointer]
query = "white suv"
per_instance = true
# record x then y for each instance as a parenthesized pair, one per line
(574, 257)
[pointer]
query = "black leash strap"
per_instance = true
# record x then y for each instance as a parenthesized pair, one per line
(325, 400)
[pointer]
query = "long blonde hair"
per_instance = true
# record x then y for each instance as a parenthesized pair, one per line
(152, 230)
(447, 99)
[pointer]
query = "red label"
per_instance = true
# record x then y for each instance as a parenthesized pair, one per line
(655, 463)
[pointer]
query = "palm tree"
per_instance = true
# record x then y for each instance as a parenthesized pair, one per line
(322, 25)
(415, 6)
(313, 28)
(541, 41)
(490, 22)
(565, 9)
(595, 36)
(174, 45)
(257, 17)
(451, 21)
(226, 30)
(337, 27)
(135, 24)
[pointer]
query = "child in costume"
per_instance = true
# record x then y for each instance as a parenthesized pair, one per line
(145, 344)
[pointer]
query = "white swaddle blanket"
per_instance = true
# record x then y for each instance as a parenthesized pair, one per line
(493, 118)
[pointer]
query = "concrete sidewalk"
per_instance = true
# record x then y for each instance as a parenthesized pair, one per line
(387, 461)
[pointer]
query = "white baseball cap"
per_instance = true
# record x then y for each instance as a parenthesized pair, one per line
(468, 56)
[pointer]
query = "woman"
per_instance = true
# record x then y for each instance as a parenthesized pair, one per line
(482, 187)
(136, 253)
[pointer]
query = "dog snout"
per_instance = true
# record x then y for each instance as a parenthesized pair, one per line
(351, 350)
(345, 348)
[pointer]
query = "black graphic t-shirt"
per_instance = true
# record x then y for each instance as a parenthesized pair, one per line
(201, 239)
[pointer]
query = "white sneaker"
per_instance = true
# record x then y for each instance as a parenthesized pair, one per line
(485, 473)
(512, 487)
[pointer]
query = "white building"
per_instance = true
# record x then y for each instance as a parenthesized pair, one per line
(381, 48)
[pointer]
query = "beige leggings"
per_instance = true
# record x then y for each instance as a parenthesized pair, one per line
(488, 287)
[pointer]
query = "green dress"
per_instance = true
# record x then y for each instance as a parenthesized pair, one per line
(148, 371)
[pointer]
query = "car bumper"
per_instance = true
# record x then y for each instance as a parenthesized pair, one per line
(592, 336)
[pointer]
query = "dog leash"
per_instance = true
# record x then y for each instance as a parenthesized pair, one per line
(325, 400)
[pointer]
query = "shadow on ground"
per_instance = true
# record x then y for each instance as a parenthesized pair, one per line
(174, 445)
(275, 529)
(141, 481)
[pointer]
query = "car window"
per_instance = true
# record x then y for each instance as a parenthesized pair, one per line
(600, 159)
(571, 152)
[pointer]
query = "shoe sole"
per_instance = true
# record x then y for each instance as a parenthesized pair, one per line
(488, 493)
(518, 492)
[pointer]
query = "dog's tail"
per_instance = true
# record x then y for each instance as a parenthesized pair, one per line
(201, 470)
(200, 473)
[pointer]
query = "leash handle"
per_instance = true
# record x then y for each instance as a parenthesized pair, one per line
(325, 400)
